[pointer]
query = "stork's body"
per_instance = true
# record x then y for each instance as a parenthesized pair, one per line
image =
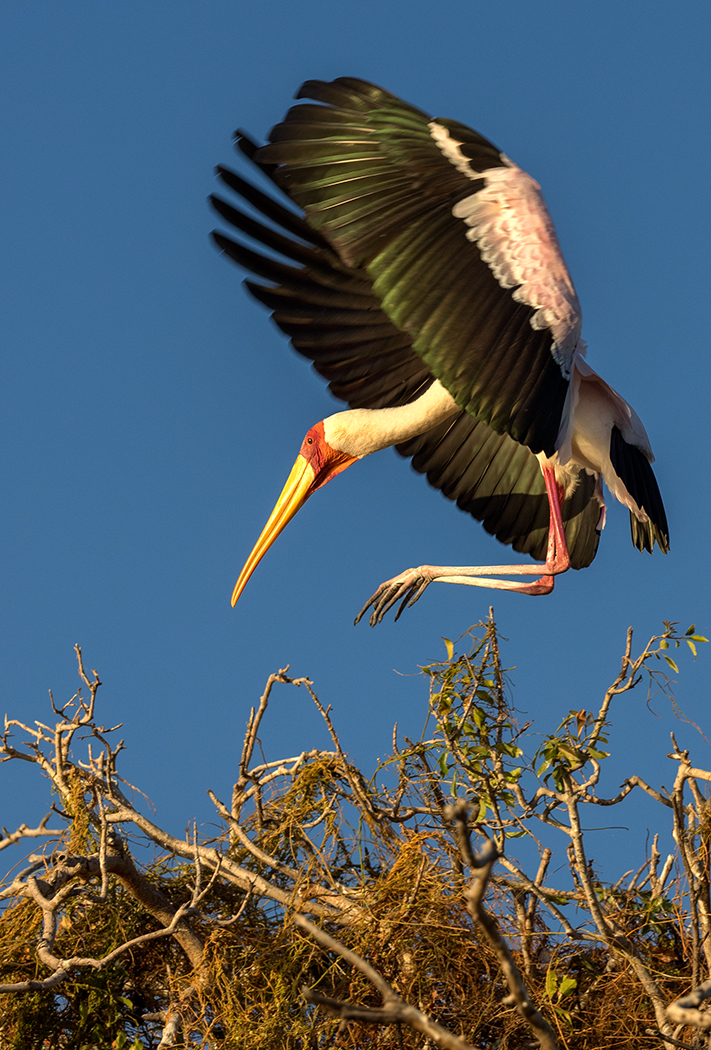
(432, 293)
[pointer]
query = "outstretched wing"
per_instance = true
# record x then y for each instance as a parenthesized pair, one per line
(333, 317)
(456, 239)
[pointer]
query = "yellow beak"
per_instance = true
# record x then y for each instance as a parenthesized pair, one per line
(298, 488)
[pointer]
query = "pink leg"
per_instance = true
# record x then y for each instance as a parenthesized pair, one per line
(557, 558)
(409, 586)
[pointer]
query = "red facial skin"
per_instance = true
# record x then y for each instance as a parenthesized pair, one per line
(324, 460)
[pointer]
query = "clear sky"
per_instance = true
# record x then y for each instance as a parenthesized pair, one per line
(151, 411)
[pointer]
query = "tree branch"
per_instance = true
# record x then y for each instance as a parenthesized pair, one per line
(394, 1010)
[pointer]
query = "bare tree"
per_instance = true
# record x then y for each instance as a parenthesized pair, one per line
(336, 909)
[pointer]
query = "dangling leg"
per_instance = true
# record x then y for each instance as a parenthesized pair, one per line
(409, 586)
(557, 556)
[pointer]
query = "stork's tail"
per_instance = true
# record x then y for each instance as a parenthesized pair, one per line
(635, 472)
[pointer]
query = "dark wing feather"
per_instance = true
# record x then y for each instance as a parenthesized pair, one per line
(371, 179)
(499, 482)
(634, 470)
(333, 317)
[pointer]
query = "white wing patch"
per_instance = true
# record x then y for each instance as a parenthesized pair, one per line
(509, 222)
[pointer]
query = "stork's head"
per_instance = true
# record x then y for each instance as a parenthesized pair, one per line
(318, 461)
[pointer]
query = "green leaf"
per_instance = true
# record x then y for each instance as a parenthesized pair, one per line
(572, 754)
(691, 629)
(551, 983)
(479, 717)
(664, 644)
(691, 646)
(450, 647)
(698, 638)
(543, 767)
(593, 751)
(566, 985)
(671, 664)
(565, 1015)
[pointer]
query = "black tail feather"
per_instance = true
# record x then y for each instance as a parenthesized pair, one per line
(635, 471)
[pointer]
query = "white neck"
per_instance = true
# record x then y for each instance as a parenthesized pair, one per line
(364, 430)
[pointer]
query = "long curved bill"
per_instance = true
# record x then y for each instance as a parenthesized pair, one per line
(299, 486)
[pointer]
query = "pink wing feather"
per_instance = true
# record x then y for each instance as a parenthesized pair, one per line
(509, 222)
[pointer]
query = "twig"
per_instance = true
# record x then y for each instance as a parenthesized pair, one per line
(684, 1011)
(250, 739)
(518, 996)
(23, 832)
(669, 1040)
(394, 1010)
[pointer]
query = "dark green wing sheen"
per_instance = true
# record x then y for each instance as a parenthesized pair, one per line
(372, 181)
(331, 313)
(499, 482)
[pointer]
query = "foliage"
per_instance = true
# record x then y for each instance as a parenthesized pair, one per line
(412, 939)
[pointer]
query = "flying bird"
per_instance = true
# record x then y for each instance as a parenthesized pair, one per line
(424, 279)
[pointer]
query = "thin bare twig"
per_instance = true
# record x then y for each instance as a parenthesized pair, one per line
(394, 1010)
(23, 832)
(518, 996)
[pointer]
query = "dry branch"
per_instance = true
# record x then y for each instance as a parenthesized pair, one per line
(206, 930)
(394, 1009)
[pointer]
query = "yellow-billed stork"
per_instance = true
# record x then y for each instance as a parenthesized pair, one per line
(426, 283)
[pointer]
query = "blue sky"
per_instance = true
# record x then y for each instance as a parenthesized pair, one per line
(151, 412)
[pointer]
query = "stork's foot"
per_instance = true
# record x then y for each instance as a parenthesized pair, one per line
(407, 588)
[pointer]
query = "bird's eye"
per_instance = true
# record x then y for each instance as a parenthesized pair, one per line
(310, 441)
